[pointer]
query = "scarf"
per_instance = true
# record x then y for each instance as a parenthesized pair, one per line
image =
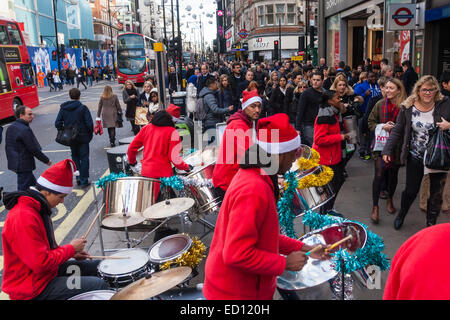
(327, 114)
(11, 198)
(389, 111)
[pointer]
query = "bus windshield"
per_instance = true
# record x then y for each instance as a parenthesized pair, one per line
(130, 41)
(131, 61)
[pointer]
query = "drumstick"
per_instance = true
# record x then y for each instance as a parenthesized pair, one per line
(93, 221)
(334, 245)
(107, 257)
(314, 250)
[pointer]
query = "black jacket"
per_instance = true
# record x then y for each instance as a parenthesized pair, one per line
(402, 128)
(235, 86)
(74, 112)
(277, 102)
(22, 147)
(409, 79)
(308, 108)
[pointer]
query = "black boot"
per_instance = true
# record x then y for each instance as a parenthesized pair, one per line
(398, 222)
(432, 215)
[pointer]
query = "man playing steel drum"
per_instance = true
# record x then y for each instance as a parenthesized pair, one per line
(246, 253)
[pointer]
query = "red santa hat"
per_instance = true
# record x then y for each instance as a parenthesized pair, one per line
(276, 135)
(174, 111)
(249, 97)
(59, 177)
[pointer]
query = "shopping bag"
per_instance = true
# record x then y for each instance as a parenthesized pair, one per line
(381, 137)
(98, 129)
(437, 155)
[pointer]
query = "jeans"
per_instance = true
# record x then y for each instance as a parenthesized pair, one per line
(414, 175)
(365, 139)
(65, 286)
(307, 134)
(25, 180)
(80, 155)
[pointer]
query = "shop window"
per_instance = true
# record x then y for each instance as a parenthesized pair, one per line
(3, 35)
(14, 34)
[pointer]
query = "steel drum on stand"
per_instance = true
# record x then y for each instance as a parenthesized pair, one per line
(316, 272)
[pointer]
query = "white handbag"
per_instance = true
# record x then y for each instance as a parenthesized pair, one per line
(381, 137)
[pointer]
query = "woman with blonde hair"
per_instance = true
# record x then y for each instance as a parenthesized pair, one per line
(425, 108)
(271, 84)
(385, 112)
(130, 95)
(111, 113)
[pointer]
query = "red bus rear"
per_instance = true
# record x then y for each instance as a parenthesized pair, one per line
(17, 81)
(135, 57)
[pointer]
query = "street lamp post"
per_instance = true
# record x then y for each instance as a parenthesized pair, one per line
(111, 36)
(56, 37)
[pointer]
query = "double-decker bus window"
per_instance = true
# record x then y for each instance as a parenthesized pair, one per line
(3, 35)
(27, 74)
(14, 34)
(130, 41)
(5, 86)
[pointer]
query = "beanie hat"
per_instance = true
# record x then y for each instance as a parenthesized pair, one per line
(249, 97)
(174, 111)
(276, 135)
(59, 177)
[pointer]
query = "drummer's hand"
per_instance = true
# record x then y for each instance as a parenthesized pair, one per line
(190, 168)
(296, 260)
(320, 254)
(83, 255)
(78, 244)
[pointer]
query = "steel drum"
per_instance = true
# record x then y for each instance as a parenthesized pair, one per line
(119, 273)
(94, 295)
(316, 272)
(135, 194)
(313, 197)
(126, 140)
(117, 160)
(207, 200)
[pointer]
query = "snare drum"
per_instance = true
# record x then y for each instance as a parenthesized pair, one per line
(119, 273)
(168, 249)
(94, 295)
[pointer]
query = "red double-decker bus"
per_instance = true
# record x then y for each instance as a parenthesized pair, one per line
(135, 57)
(17, 81)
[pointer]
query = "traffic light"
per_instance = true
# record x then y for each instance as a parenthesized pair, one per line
(312, 35)
(54, 55)
(215, 48)
(275, 50)
(172, 46)
(62, 51)
(84, 55)
(301, 43)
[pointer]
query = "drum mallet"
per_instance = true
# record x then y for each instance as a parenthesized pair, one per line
(319, 247)
(334, 245)
(93, 221)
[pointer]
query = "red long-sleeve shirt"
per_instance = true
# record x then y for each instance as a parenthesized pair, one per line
(29, 263)
(162, 146)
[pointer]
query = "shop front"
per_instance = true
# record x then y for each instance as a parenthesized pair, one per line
(261, 48)
(356, 30)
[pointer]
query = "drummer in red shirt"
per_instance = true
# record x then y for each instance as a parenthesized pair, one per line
(162, 147)
(247, 251)
(237, 138)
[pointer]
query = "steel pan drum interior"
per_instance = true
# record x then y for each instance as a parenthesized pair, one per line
(316, 272)
(172, 246)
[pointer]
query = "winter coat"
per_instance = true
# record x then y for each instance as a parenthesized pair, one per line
(327, 142)
(225, 98)
(74, 112)
(239, 129)
(277, 101)
(21, 147)
(214, 114)
(245, 255)
(108, 109)
(130, 111)
(29, 263)
(162, 147)
(403, 126)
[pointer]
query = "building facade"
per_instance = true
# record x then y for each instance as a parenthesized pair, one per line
(106, 24)
(262, 24)
(38, 20)
(354, 30)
